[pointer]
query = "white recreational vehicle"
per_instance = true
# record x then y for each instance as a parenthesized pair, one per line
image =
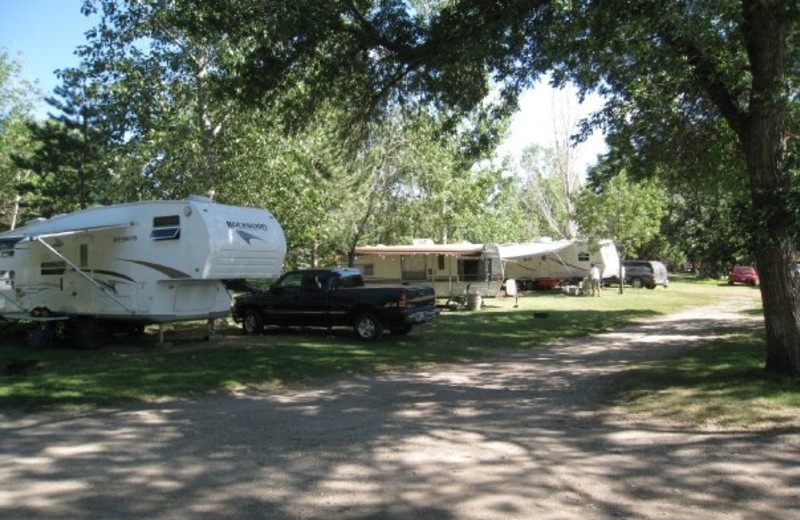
(451, 269)
(136, 263)
(545, 262)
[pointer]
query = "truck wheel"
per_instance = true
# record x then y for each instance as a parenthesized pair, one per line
(637, 283)
(252, 323)
(401, 330)
(367, 327)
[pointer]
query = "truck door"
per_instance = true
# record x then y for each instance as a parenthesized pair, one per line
(297, 299)
(312, 300)
(281, 302)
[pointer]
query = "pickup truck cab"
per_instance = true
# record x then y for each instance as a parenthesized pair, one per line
(335, 297)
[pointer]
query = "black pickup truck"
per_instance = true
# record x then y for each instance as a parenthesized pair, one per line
(335, 297)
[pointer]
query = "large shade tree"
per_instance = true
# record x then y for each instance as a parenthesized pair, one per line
(627, 212)
(683, 78)
(706, 89)
(71, 149)
(16, 115)
(160, 88)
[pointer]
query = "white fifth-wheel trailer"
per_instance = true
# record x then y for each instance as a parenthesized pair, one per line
(136, 263)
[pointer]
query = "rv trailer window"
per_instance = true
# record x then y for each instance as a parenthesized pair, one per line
(368, 269)
(7, 247)
(84, 254)
(53, 268)
(168, 221)
(583, 257)
(166, 228)
(469, 270)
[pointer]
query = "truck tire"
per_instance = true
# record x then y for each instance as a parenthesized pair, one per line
(637, 283)
(252, 322)
(367, 327)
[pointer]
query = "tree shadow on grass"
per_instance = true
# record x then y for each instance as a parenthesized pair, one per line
(518, 437)
(134, 369)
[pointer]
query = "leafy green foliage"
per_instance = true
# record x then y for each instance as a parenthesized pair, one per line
(16, 100)
(547, 192)
(701, 94)
(626, 211)
(71, 149)
(710, 229)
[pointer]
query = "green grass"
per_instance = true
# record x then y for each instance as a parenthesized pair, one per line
(721, 384)
(137, 370)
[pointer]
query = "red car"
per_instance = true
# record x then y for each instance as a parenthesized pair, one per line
(743, 274)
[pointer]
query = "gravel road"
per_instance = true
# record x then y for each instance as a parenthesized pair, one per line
(518, 437)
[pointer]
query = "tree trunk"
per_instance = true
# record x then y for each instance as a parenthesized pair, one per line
(315, 253)
(762, 136)
(781, 317)
(773, 248)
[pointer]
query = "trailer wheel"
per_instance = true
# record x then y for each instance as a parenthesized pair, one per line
(367, 327)
(252, 323)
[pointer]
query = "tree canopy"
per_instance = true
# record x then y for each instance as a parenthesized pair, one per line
(16, 104)
(685, 80)
(272, 103)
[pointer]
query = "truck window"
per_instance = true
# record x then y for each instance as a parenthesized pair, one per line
(311, 283)
(292, 281)
(349, 281)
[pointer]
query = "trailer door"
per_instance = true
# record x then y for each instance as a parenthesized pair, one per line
(78, 293)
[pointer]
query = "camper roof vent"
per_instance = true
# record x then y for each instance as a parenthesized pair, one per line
(422, 242)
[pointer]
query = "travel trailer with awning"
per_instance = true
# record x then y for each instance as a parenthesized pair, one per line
(544, 262)
(452, 269)
(136, 263)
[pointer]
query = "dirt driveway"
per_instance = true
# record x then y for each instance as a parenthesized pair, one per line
(515, 438)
